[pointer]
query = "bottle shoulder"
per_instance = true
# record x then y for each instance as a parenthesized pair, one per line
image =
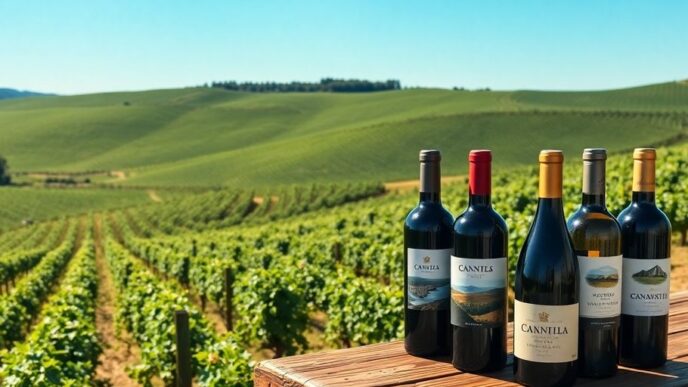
(640, 217)
(480, 220)
(428, 216)
(593, 221)
(548, 237)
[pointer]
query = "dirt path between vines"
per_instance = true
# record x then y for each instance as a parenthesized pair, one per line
(408, 185)
(118, 351)
(153, 196)
(119, 175)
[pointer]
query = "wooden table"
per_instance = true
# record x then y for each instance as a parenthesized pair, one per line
(388, 365)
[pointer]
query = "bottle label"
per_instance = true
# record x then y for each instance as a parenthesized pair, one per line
(645, 287)
(600, 286)
(478, 292)
(428, 279)
(545, 333)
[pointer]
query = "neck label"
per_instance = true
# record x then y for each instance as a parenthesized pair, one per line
(478, 292)
(645, 287)
(428, 279)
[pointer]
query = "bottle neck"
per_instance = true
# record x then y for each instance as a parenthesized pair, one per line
(551, 206)
(593, 200)
(643, 197)
(430, 197)
(550, 213)
(551, 176)
(430, 186)
(479, 179)
(479, 200)
(643, 181)
(594, 182)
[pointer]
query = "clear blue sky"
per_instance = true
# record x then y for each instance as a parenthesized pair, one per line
(79, 46)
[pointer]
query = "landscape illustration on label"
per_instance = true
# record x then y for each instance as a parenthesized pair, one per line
(426, 293)
(602, 277)
(479, 304)
(652, 276)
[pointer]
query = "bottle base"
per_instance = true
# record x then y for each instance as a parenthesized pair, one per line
(480, 370)
(428, 353)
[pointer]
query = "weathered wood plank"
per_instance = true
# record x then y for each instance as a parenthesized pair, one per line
(387, 364)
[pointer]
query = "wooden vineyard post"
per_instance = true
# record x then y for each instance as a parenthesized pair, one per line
(229, 295)
(186, 265)
(183, 341)
(337, 252)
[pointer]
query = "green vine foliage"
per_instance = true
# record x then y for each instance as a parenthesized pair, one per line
(63, 348)
(272, 309)
(361, 311)
(19, 307)
(146, 307)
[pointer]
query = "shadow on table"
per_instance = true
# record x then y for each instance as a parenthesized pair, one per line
(672, 373)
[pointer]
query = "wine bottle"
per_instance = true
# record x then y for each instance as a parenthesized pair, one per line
(427, 248)
(479, 276)
(646, 248)
(597, 239)
(546, 289)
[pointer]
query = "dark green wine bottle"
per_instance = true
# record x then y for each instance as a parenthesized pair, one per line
(546, 289)
(427, 248)
(479, 275)
(646, 247)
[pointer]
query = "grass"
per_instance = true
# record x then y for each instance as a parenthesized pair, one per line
(205, 137)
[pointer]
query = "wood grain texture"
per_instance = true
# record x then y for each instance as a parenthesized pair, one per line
(387, 364)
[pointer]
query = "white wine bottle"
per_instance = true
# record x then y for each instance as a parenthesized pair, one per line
(597, 238)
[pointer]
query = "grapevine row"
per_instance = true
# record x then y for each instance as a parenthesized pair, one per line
(19, 307)
(19, 260)
(63, 348)
(145, 308)
(279, 279)
(227, 207)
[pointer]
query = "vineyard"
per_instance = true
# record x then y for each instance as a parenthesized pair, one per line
(207, 136)
(31, 204)
(260, 274)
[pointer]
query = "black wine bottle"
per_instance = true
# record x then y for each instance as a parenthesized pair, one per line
(646, 248)
(597, 239)
(479, 276)
(427, 248)
(546, 289)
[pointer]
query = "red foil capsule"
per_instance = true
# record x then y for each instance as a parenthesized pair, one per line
(480, 172)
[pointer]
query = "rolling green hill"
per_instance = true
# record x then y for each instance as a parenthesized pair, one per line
(200, 136)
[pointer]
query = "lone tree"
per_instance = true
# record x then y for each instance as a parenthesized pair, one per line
(4, 172)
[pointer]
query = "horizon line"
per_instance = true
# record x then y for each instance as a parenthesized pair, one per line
(405, 87)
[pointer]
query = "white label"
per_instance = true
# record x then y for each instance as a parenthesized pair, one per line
(545, 333)
(645, 287)
(478, 291)
(600, 286)
(428, 279)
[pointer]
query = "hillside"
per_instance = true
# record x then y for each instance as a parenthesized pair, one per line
(6, 93)
(200, 136)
